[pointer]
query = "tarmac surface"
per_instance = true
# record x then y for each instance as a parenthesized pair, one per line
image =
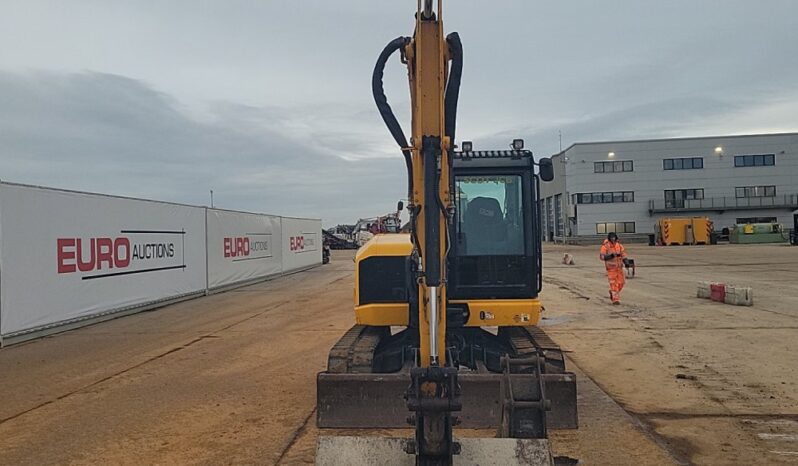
(665, 378)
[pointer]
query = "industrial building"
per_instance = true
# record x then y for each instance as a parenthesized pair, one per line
(626, 186)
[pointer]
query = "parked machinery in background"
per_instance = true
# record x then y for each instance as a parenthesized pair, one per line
(325, 252)
(756, 233)
(684, 231)
(367, 228)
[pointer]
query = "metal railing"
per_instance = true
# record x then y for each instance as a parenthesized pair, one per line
(784, 201)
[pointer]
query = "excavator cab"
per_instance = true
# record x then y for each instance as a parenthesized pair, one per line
(495, 251)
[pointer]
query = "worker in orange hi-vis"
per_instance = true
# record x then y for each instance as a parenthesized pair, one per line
(613, 253)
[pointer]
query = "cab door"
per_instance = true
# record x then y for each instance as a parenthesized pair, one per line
(493, 255)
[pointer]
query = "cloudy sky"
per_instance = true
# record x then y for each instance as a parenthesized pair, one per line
(268, 103)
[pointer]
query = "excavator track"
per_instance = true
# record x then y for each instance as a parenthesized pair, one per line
(529, 341)
(354, 351)
(351, 394)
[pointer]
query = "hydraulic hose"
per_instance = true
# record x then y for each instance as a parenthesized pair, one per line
(453, 85)
(378, 90)
(450, 99)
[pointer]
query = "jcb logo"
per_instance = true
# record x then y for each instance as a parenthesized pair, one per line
(297, 243)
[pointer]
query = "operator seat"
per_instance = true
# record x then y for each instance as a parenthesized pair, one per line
(483, 225)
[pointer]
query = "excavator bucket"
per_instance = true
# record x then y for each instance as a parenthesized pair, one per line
(392, 451)
(352, 400)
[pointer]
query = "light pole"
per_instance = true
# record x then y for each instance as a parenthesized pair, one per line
(211, 199)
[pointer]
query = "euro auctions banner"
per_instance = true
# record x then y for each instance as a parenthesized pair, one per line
(302, 243)
(67, 255)
(242, 246)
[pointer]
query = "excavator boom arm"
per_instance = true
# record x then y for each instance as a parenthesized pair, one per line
(430, 200)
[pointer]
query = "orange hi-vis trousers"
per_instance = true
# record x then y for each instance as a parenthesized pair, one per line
(617, 279)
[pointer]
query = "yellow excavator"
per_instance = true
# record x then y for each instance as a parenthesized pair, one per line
(446, 316)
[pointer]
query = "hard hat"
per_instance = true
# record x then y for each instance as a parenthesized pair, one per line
(612, 236)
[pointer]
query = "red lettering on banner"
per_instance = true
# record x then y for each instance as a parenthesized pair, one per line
(297, 243)
(74, 254)
(121, 244)
(242, 246)
(65, 255)
(237, 246)
(105, 248)
(85, 266)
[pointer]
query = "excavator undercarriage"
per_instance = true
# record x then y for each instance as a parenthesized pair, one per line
(363, 386)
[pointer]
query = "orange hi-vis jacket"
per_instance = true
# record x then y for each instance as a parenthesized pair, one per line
(615, 263)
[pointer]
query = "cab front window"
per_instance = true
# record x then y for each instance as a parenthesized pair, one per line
(490, 215)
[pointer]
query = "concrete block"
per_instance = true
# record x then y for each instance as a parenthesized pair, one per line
(703, 290)
(729, 294)
(739, 295)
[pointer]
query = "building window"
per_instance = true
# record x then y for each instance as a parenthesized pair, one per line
(674, 198)
(759, 160)
(616, 227)
(613, 167)
(756, 220)
(687, 163)
(755, 191)
(542, 211)
(558, 230)
(605, 198)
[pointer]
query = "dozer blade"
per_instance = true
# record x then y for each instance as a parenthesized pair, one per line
(347, 400)
(390, 451)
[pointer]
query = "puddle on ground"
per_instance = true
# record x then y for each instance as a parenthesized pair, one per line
(550, 321)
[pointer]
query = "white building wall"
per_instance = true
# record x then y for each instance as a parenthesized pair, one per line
(649, 180)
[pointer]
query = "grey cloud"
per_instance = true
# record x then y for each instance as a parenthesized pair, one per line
(106, 133)
(667, 117)
(269, 103)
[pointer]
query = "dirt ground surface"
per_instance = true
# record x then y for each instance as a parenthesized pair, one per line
(717, 383)
(665, 378)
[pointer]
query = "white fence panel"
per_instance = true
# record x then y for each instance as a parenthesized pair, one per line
(68, 255)
(302, 243)
(242, 246)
